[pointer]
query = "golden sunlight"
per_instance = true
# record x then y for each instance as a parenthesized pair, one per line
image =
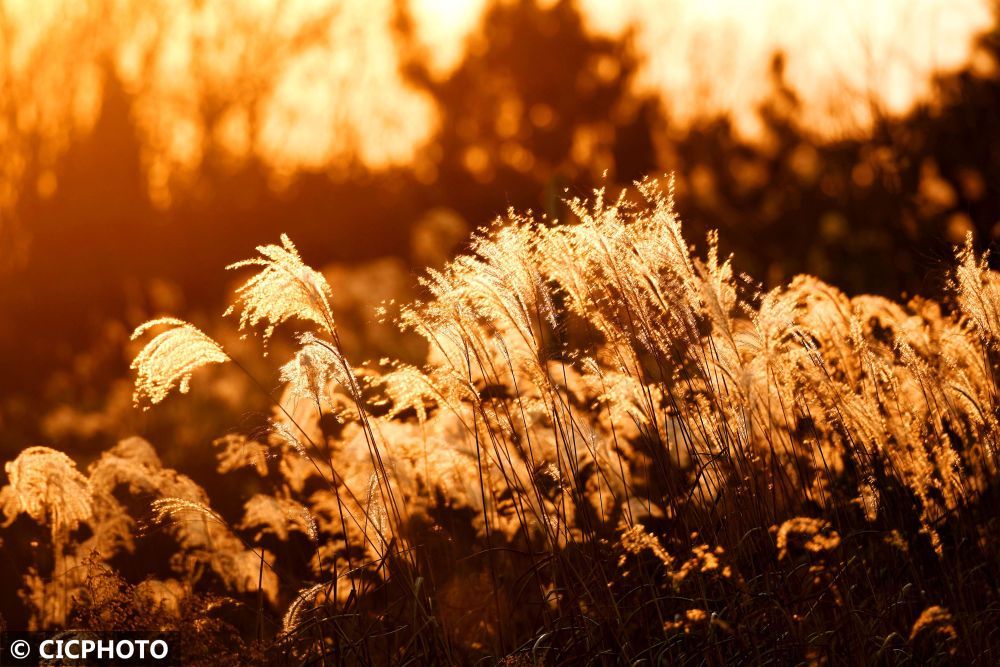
(317, 84)
(847, 60)
(565, 331)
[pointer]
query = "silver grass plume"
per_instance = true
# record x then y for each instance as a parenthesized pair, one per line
(170, 358)
(284, 289)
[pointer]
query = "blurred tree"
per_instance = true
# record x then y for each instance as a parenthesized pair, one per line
(536, 105)
(875, 213)
(535, 101)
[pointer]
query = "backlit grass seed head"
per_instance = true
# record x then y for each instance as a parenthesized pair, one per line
(376, 515)
(635, 539)
(407, 388)
(170, 358)
(284, 289)
(269, 515)
(814, 536)
(45, 485)
(307, 597)
(316, 365)
(935, 627)
(285, 434)
(503, 282)
(695, 620)
(166, 510)
(978, 291)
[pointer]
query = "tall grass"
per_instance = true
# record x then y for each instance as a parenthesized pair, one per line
(616, 451)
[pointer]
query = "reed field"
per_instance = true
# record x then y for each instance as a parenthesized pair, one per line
(615, 451)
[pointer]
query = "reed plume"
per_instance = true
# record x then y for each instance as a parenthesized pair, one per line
(170, 359)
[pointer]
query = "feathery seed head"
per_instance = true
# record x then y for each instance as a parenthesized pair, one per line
(170, 358)
(315, 366)
(806, 534)
(46, 485)
(284, 289)
(171, 509)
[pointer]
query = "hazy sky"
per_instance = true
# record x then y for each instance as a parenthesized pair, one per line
(308, 83)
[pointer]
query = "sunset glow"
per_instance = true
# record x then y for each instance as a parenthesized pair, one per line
(524, 333)
(316, 85)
